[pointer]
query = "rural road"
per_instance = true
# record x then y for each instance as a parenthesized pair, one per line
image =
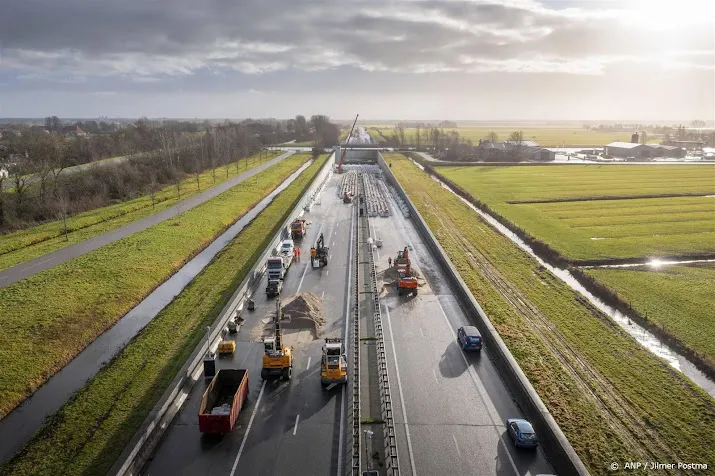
(41, 263)
(449, 407)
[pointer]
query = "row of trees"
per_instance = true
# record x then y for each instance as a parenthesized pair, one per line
(36, 186)
(449, 145)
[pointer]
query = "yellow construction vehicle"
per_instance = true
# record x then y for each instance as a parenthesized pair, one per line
(333, 364)
(277, 360)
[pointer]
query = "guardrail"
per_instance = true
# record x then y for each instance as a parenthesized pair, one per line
(149, 435)
(388, 426)
(356, 454)
(562, 455)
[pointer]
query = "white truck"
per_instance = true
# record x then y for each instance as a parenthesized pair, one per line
(277, 266)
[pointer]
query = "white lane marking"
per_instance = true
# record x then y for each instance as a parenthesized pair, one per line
(322, 295)
(343, 404)
(327, 272)
(456, 445)
(434, 374)
(295, 428)
(402, 398)
(308, 366)
(250, 422)
(422, 332)
(333, 243)
(331, 256)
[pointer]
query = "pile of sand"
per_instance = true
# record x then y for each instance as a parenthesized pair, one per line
(302, 311)
(389, 276)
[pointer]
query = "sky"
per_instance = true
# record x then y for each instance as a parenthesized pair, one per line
(407, 59)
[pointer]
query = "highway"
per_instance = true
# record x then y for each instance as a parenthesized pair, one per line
(292, 427)
(450, 407)
(41, 263)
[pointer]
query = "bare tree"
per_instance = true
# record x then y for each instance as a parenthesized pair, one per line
(401, 132)
(152, 188)
(492, 137)
(417, 136)
(644, 137)
(19, 173)
(517, 140)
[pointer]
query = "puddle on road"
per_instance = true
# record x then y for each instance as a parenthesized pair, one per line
(19, 425)
(643, 336)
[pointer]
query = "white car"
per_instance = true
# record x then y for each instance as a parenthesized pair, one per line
(287, 247)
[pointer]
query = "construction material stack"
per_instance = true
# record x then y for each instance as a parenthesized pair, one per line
(277, 359)
(348, 186)
(375, 197)
(222, 401)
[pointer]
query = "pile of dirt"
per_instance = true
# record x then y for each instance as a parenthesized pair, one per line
(305, 311)
(390, 275)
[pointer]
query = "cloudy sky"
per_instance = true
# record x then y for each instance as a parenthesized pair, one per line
(426, 59)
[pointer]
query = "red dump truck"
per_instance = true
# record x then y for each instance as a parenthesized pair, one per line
(222, 401)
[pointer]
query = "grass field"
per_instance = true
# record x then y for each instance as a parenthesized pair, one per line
(28, 244)
(91, 430)
(613, 399)
(51, 316)
(544, 136)
(585, 229)
(679, 299)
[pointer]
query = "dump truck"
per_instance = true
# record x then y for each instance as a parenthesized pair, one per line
(273, 288)
(333, 363)
(297, 229)
(222, 401)
(277, 359)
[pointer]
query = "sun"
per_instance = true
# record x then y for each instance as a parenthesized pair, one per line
(669, 13)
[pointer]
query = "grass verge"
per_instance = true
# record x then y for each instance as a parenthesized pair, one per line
(613, 399)
(51, 316)
(91, 430)
(678, 299)
(28, 244)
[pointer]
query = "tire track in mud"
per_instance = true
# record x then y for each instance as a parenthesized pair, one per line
(623, 419)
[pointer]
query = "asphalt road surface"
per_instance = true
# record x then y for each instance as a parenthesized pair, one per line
(292, 427)
(450, 407)
(41, 263)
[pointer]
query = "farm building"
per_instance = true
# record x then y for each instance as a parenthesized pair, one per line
(503, 151)
(642, 151)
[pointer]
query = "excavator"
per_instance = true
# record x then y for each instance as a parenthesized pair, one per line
(333, 364)
(339, 168)
(319, 253)
(277, 360)
(406, 283)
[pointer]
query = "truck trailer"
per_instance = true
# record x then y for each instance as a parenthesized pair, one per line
(222, 401)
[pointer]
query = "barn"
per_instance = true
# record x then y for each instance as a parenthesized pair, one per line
(627, 149)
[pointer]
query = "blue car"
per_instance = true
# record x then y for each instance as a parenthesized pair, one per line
(522, 433)
(469, 338)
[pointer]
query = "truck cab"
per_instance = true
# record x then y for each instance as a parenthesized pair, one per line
(276, 268)
(334, 364)
(297, 229)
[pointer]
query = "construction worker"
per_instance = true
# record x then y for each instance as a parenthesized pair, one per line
(295, 252)
(298, 254)
(389, 261)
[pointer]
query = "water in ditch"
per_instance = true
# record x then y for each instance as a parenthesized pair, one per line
(19, 425)
(642, 335)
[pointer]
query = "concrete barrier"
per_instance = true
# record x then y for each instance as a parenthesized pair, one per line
(561, 454)
(150, 433)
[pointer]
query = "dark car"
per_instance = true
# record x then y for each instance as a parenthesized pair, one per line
(522, 433)
(469, 338)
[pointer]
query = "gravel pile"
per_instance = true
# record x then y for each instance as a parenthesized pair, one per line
(305, 310)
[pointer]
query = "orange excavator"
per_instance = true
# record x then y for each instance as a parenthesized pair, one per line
(339, 168)
(406, 282)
